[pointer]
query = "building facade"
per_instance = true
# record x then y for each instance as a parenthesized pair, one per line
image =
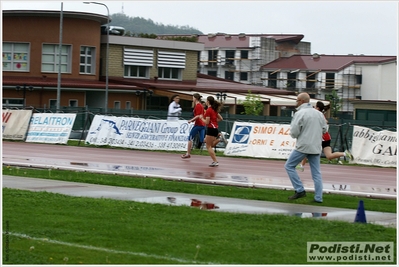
(142, 73)
(351, 78)
(239, 57)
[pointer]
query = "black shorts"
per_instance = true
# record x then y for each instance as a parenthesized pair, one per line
(325, 143)
(212, 132)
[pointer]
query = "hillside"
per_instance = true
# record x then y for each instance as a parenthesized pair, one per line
(137, 25)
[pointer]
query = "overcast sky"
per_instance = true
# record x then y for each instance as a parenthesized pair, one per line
(334, 28)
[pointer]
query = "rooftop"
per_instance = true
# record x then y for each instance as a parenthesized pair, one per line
(324, 62)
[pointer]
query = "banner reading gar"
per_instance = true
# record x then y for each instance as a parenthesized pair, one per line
(139, 133)
(15, 123)
(371, 147)
(50, 128)
(260, 140)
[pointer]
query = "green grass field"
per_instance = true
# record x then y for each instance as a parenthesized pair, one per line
(47, 228)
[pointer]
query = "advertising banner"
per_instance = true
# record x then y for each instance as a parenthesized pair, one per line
(15, 123)
(371, 147)
(50, 128)
(260, 140)
(139, 133)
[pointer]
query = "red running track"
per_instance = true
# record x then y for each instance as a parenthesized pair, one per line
(239, 171)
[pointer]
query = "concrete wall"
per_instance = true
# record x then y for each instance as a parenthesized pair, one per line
(379, 82)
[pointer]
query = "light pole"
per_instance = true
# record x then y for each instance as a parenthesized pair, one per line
(107, 54)
(18, 88)
(221, 96)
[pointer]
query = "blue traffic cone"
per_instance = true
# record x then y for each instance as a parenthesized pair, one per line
(360, 214)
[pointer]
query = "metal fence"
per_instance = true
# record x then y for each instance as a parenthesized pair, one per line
(341, 130)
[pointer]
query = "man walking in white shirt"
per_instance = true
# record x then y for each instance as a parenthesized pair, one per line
(307, 126)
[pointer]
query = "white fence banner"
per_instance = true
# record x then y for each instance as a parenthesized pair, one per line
(371, 147)
(260, 140)
(50, 128)
(139, 133)
(15, 123)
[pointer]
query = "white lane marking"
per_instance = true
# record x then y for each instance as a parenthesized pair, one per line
(104, 249)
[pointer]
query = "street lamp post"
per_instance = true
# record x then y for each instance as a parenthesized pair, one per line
(107, 55)
(24, 88)
(221, 96)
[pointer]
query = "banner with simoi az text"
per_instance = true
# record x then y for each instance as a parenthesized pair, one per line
(371, 147)
(354, 252)
(260, 140)
(50, 128)
(139, 133)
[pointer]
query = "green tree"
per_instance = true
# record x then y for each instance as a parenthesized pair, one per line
(252, 104)
(335, 103)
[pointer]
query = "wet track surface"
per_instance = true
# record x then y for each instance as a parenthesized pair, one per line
(354, 180)
(211, 203)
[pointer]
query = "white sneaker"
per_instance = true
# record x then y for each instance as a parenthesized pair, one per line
(300, 168)
(348, 155)
(222, 138)
(214, 164)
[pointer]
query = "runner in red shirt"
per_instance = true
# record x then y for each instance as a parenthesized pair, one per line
(211, 119)
(199, 125)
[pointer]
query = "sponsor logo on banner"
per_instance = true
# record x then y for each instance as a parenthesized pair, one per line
(241, 134)
(260, 140)
(50, 128)
(139, 133)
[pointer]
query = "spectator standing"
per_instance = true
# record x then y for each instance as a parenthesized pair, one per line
(174, 109)
(199, 125)
(307, 127)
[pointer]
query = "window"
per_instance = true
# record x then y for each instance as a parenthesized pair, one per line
(13, 102)
(117, 105)
(244, 76)
(272, 81)
(212, 73)
(291, 80)
(53, 103)
(128, 105)
(137, 62)
(212, 58)
(50, 58)
(358, 79)
(136, 71)
(169, 73)
(310, 80)
(15, 56)
(87, 62)
(244, 54)
(330, 80)
(230, 57)
(170, 64)
(73, 102)
(228, 75)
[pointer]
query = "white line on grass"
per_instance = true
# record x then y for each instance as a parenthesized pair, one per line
(104, 249)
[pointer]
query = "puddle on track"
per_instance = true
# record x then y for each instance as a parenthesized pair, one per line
(223, 207)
